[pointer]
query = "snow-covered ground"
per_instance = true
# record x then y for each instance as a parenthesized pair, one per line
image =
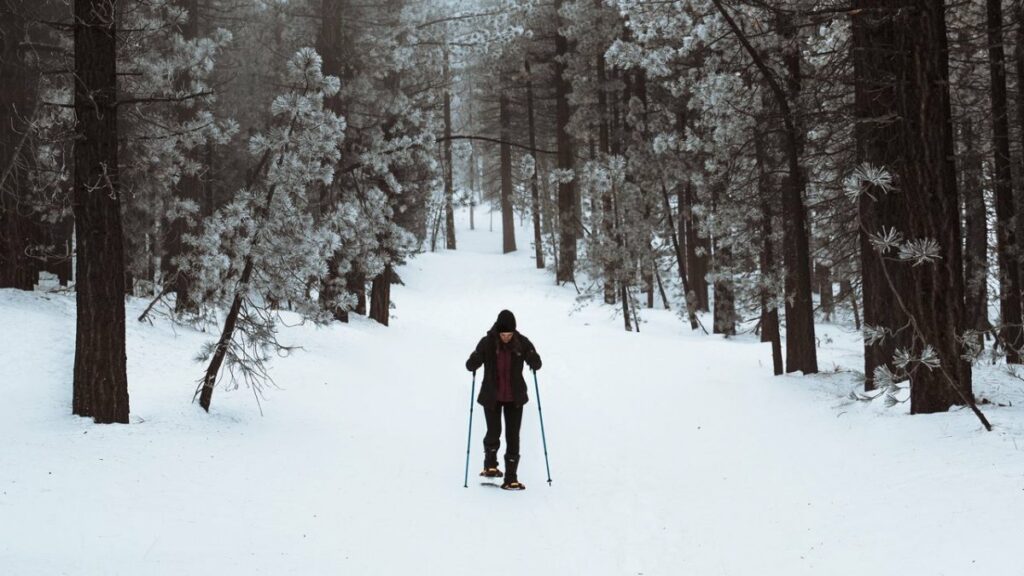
(671, 453)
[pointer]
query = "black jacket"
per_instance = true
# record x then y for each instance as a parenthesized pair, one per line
(486, 354)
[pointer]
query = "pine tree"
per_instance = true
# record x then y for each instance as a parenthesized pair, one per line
(264, 248)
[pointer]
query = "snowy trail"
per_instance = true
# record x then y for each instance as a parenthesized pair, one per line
(671, 453)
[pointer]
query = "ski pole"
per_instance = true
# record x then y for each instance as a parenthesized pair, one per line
(540, 412)
(469, 436)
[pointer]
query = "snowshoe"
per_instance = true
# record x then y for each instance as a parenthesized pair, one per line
(491, 473)
(513, 486)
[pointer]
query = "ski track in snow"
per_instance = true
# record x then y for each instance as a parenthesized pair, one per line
(671, 453)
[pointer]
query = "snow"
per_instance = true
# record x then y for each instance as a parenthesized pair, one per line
(671, 452)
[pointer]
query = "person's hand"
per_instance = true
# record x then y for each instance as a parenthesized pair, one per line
(533, 361)
(474, 362)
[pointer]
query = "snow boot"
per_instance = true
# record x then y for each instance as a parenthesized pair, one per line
(511, 474)
(491, 465)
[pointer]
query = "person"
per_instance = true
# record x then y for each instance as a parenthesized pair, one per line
(502, 352)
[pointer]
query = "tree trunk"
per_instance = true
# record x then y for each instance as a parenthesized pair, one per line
(902, 78)
(800, 342)
(208, 202)
(677, 244)
(227, 333)
(335, 47)
(605, 146)
(355, 283)
(380, 296)
(59, 235)
(1009, 269)
(696, 250)
(677, 248)
(769, 311)
(19, 226)
(472, 169)
(623, 276)
(976, 249)
(566, 190)
(824, 281)
(242, 286)
(625, 306)
(939, 288)
(1019, 65)
(801, 353)
(100, 377)
(846, 289)
(508, 223)
(449, 188)
(661, 289)
(331, 46)
(188, 187)
(875, 68)
(725, 306)
(538, 243)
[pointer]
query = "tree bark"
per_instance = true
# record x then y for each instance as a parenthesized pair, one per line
(380, 296)
(355, 283)
(19, 226)
(903, 107)
(449, 188)
(725, 305)
(697, 249)
(824, 281)
(538, 243)
(1018, 12)
(188, 187)
(1010, 331)
(875, 68)
(605, 147)
(100, 386)
(846, 289)
(508, 224)
(940, 288)
(566, 190)
(625, 306)
(769, 311)
(472, 169)
(801, 353)
(647, 256)
(976, 232)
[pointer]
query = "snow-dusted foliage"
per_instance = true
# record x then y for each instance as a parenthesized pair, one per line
(265, 248)
(167, 117)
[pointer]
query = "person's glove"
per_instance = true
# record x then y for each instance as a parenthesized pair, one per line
(474, 362)
(533, 361)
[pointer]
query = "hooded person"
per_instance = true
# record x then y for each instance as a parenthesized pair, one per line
(502, 352)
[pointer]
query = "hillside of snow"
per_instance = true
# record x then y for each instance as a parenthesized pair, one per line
(671, 452)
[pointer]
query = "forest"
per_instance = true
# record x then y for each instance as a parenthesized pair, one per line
(770, 163)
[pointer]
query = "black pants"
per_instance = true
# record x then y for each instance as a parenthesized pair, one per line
(492, 440)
